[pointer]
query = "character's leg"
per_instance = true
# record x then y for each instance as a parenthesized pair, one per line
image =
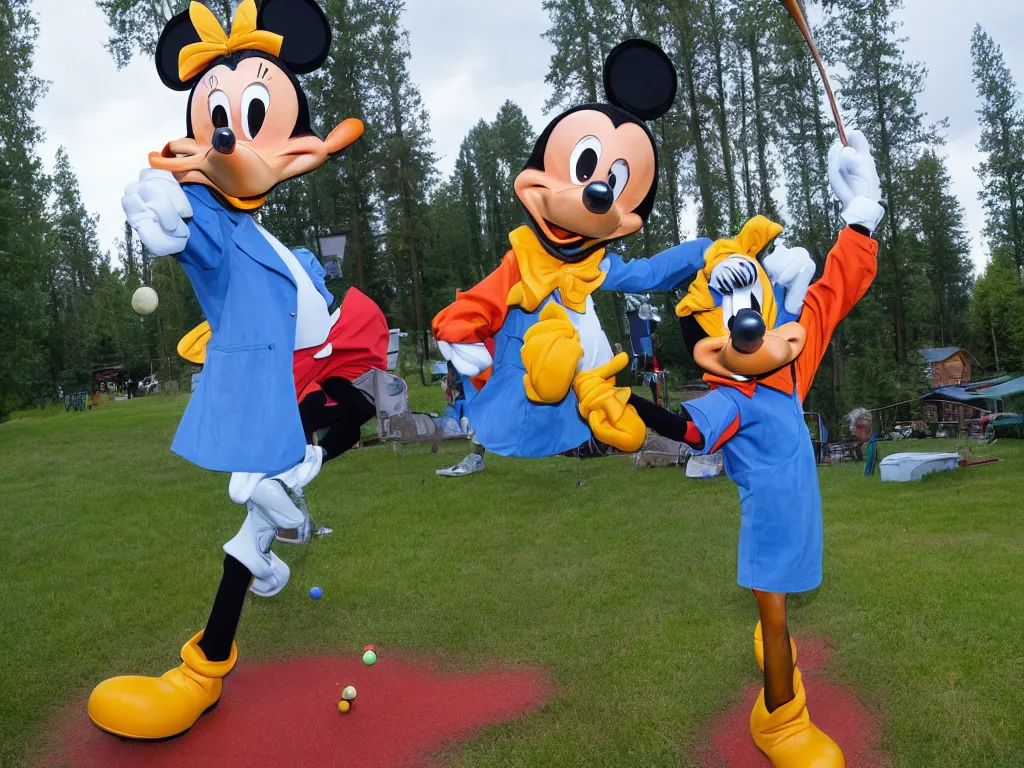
(780, 724)
(160, 707)
(350, 411)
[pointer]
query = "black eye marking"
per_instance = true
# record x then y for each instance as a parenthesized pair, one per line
(257, 114)
(586, 165)
(755, 304)
(220, 117)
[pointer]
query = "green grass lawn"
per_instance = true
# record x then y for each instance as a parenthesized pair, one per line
(624, 588)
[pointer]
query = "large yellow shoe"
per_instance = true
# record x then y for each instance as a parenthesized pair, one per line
(159, 707)
(759, 647)
(789, 738)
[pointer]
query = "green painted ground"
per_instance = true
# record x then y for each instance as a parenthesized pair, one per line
(624, 588)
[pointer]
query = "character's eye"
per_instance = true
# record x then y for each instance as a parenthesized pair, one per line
(255, 103)
(584, 159)
(220, 109)
(618, 177)
(745, 297)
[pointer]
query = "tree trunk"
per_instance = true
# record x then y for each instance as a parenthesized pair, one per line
(767, 203)
(703, 171)
(748, 188)
(723, 117)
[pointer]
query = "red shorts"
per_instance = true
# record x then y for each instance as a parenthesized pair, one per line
(359, 341)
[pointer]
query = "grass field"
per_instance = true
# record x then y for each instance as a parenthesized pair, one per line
(624, 588)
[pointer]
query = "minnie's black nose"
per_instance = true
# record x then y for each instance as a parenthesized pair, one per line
(598, 197)
(224, 141)
(747, 331)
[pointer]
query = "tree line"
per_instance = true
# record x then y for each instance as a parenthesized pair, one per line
(748, 134)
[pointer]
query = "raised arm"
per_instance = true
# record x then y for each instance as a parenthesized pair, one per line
(852, 263)
(658, 273)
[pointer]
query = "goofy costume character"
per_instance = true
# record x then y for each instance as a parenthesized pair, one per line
(760, 367)
(530, 326)
(270, 337)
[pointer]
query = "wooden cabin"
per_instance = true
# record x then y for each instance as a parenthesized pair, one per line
(949, 366)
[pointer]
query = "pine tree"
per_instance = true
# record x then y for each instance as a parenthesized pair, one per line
(943, 249)
(405, 162)
(1002, 139)
(23, 366)
(881, 90)
(997, 313)
(583, 33)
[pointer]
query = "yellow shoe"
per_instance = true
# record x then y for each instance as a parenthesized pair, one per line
(789, 738)
(759, 647)
(159, 707)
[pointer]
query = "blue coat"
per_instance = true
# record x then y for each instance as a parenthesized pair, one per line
(243, 416)
(504, 419)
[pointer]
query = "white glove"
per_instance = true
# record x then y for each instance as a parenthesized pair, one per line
(793, 269)
(156, 208)
(854, 180)
(732, 274)
(468, 359)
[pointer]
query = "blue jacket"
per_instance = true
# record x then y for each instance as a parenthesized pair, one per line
(504, 419)
(243, 416)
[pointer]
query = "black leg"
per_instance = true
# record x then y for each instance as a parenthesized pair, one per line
(227, 609)
(344, 419)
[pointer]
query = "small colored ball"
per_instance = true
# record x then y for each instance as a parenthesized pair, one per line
(316, 593)
(369, 658)
(349, 693)
(344, 706)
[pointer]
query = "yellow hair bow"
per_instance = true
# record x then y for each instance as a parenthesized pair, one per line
(752, 239)
(215, 43)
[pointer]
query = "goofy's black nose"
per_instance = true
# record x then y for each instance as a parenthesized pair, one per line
(224, 141)
(747, 330)
(598, 197)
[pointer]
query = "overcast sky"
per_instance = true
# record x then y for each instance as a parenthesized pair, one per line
(468, 57)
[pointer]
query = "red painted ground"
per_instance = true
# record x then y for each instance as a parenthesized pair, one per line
(285, 714)
(833, 709)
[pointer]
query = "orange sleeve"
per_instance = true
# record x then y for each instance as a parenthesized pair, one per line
(849, 270)
(478, 313)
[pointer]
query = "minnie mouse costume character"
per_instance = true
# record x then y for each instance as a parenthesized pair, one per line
(760, 359)
(530, 326)
(271, 338)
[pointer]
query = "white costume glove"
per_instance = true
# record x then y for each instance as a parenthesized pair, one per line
(734, 273)
(156, 208)
(854, 180)
(793, 269)
(468, 359)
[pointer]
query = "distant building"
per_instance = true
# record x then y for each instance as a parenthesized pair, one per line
(948, 366)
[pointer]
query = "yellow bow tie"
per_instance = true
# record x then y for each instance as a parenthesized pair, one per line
(215, 43)
(541, 274)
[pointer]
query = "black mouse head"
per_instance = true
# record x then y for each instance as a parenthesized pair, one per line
(593, 174)
(248, 122)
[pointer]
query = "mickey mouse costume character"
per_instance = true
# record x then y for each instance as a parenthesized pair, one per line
(271, 337)
(530, 326)
(760, 366)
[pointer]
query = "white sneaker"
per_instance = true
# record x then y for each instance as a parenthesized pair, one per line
(472, 464)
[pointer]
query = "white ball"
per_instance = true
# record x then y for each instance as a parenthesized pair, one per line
(145, 301)
(349, 693)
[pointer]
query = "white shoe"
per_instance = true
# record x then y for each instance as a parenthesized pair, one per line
(472, 464)
(251, 547)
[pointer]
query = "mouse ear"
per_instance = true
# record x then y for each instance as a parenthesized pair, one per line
(178, 33)
(640, 78)
(305, 29)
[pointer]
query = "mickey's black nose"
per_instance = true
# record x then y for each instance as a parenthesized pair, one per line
(224, 141)
(747, 331)
(598, 197)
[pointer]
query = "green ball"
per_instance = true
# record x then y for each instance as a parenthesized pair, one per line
(369, 658)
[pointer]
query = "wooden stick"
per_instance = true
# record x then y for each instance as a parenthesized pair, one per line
(796, 10)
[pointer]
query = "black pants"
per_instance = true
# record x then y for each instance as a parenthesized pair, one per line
(343, 418)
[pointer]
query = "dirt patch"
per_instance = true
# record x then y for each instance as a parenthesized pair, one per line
(285, 714)
(833, 708)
